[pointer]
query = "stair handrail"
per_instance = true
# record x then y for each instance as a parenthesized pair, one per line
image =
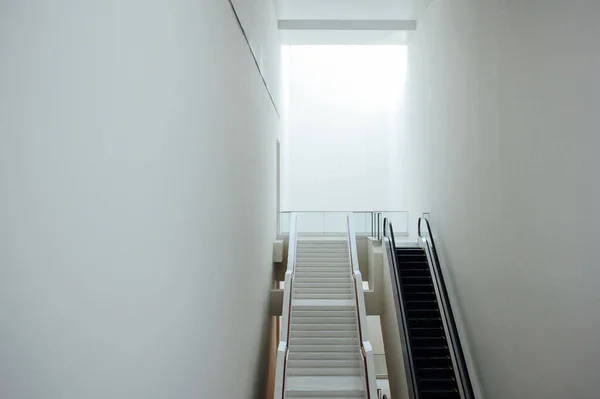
(409, 365)
(461, 364)
(284, 337)
(365, 344)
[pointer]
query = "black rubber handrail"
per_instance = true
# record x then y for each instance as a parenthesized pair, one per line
(447, 309)
(409, 365)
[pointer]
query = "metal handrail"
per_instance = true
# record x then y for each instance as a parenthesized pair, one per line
(359, 304)
(409, 365)
(292, 244)
(447, 310)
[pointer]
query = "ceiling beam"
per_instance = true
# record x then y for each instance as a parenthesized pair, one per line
(348, 24)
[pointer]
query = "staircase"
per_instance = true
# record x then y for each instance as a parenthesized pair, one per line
(324, 359)
(427, 338)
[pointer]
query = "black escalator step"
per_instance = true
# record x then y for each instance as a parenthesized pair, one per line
(425, 322)
(415, 273)
(425, 342)
(441, 351)
(432, 362)
(420, 296)
(421, 305)
(413, 265)
(437, 384)
(439, 394)
(427, 332)
(436, 372)
(423, 314)
(417, 288)
(415, 280)
(410, 251)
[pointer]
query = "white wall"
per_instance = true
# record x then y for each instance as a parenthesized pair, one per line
(342, 118)
(504, 143)
(137, 150)
(260, 25)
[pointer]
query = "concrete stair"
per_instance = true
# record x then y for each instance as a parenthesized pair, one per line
(324, 359)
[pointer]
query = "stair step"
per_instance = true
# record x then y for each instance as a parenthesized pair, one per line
(330, 320)
(324, 304)
(300, 314)
(324, 327)
(324, 290)
(325, 387)
(342, 251)
(313, 256)
(326, 356)
(323, 279)
(324, 371)
(324, 334)
(323, 348)
(325, 341)
(323, 296)
(324, 285)
(323, 268)
(323, 275)
(327, 363)
(320, 395)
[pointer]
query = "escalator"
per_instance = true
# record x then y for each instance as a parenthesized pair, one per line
(434, 363)
(434, 371)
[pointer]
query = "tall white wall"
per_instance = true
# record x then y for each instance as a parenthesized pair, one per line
(503, 143)
(259, 20)
(342, 113)
(137, 203)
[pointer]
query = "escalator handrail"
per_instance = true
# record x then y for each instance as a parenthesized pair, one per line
(411, 375)
(447, 309)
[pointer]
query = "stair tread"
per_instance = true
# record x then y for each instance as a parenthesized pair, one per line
(324, 383)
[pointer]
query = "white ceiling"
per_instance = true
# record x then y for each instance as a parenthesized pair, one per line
(347, 9)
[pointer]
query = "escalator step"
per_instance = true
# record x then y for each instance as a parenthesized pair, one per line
(440, 394)
(415, 264)
(425, 342)
(421, 305)
(430, 384)
(416, 280)
(436, 372)
(423, 314)
(418, 272)
(427, 332)
(420, 296)
(431, 352)
(417, 288)
(410, 251)
(433, 365)
(425, 321)
(432, 362)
